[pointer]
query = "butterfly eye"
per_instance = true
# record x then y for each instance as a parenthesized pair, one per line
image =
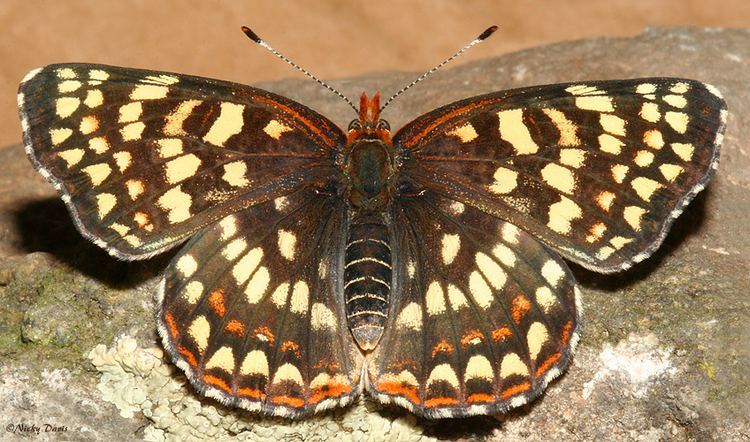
(355, 125)
(383, 125)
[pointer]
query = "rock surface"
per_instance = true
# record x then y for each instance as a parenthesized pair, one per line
(664, 353)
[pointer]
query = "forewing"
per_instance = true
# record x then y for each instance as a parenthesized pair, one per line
(598, 170)
(486, 315)
(252, 310)
(144, 159)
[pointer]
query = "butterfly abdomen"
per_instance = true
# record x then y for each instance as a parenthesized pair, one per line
(367, 278)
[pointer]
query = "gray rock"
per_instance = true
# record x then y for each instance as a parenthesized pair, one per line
(664, 353)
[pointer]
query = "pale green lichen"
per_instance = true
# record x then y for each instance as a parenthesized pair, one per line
(137, 379)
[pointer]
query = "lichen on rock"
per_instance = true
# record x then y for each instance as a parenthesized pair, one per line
(141, 380)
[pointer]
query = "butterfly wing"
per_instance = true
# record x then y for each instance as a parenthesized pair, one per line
(486, 316)
(144, 159)
(598, 170)
(252, 308)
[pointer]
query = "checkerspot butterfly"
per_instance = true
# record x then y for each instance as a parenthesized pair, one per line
(425, 267)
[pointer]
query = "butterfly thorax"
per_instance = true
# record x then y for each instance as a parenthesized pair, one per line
(369, 170)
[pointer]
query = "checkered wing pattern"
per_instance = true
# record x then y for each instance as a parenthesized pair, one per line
(252, 309)
(597, 170)
(144, 159)
(486, 318)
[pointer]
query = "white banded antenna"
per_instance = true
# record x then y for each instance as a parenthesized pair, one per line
(254, 37)
(483, 36)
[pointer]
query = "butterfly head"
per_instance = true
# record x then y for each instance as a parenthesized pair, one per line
(368, 124)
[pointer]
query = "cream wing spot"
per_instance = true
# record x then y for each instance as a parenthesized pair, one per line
(504, 254)
(234, 249)
(288, 372)
(678, 121)
(132, 131)
(174, 121)
(322, 318)
(169, 147)
(410, 317)
(506, 181)
(89, 124)
(670, 171)
(148, 92)
(62, 73)
(509, 233)
(598, 103)
(176, 203)
(234, 174)
(545, 298)
(451, 244)
(559, 177)
(105, 202)
(633, 215)
(123, 160)
(275, 129)
(512, 365)
(612, 124)
(650, 112)
(255, 363)
(258, 285)
(567, 128)
(300, 298)
(456, 297)
(479, 367)
(465, 133)
(491, 270)
(605, 199)
(679, 88)
(479, 290)
(99, 145)
(619, 171)
(572, 157)
(435, 299)
(97, 173)
(181, 168)
(645, 187)
(130, 112)
(643, 158)
(228, 227)
(187, 265)
(677, 101)
(58, 136)
(66, 106)
(71, 156)
(287, 243)
(135, 188)
(562, 213)
(247, 265)
(645, 88)
(514, 131)
(443, 373)
(200, 331)
(228, 123)
(683, 150)
(280, 295)
(98, 74)
(536, 338)
(610, 144)
(94, 98)
(193, 292)
(653, 139)
(553, 272)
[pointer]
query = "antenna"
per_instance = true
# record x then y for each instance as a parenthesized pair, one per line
(483, 36)
(254, 37)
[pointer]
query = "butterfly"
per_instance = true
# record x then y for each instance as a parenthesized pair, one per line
(424, 267)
